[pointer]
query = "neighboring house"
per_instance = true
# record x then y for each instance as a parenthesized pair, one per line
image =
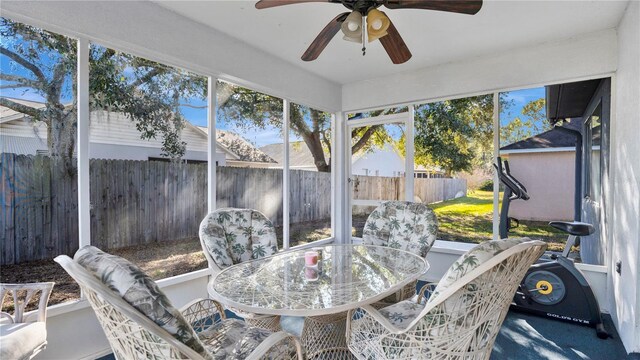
(245, 154)
(384, 161)
(300, 157)
(545, 165)
(114, 136)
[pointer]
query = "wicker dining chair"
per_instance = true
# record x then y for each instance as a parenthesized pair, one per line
(461, 318)
(230, 236)
(401, 225)
(140, 322)
(23, 337)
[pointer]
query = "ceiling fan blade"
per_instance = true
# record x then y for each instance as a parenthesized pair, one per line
(264, 4)
(470, 7)
(325, 36)
(395, 46)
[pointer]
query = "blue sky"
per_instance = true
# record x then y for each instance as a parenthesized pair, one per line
(259, 137)
(520, 98)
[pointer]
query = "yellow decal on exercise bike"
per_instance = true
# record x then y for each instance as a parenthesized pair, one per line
(544, 287)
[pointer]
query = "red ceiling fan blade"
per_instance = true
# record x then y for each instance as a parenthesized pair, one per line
(395, 46)
(470, 7)
(325, 36)
(264, 4)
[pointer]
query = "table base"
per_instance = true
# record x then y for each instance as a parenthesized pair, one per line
(324, 337)
(269, 322)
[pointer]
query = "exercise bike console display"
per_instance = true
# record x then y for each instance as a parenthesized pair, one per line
(552, 287)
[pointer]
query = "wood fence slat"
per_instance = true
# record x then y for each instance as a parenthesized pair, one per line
(143, 202)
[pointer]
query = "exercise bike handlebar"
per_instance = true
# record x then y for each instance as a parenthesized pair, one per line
(518, 191)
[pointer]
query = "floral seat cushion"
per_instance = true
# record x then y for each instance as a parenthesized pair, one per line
(402, 225)
(231, 236)
(238, 342)
(403, 313)
(141, 292)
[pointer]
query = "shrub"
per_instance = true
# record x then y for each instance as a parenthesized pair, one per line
(486, 185)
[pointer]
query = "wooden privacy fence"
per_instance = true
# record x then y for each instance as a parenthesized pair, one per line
(425, 190)
(142, 202)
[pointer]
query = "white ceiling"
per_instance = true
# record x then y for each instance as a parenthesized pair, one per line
(433, 37)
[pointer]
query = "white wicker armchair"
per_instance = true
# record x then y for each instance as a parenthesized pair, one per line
(22, 338)
(140, 322)
(230, 236)
(401, 225)
(462, 316)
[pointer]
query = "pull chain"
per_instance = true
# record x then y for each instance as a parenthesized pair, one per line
(364, 35)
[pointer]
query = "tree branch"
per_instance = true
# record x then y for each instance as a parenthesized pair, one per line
(326, 141)
(55, 87)
(147, 77)
(24, 62)
(193, 106)
(14, 86)
(15, 78)
(28, 110)
(364, 139)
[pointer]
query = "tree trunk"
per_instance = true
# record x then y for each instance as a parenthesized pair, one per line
(317, 151)
(62, 130)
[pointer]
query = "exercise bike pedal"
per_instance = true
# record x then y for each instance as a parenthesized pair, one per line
(602, 333)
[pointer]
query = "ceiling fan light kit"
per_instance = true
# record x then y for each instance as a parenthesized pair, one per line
(352, 27)
(378, 25)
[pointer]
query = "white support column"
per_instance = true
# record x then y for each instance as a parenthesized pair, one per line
(409, 155)
(334, 182)
(339, 175)
(496, 153)
(212, 105)
(345, 195)
(84, 200)
(285, 174)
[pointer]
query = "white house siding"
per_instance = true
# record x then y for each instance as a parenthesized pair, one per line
(379, 162)
(112, 136)
(549, 179)
(623, 185)
(118, 129)
(23, 128)
(128, 152)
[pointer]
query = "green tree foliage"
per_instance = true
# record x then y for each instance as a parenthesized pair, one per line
(532, 122)
(455, 135)
(148, 92)
(247, 109)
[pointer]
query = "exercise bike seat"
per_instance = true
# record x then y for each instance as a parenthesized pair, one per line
(573, 227)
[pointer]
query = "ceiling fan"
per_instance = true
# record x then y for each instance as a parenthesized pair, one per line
(378, 25)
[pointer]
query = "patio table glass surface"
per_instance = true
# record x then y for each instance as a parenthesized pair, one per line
(346, 277)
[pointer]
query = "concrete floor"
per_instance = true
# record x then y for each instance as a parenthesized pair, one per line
(528, 337)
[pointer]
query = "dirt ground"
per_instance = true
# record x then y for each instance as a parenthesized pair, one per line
(170, 258)
(159, 260)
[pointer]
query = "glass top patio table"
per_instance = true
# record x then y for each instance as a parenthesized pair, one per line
(348, 276)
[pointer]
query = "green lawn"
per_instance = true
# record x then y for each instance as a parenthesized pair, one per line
(469, 219)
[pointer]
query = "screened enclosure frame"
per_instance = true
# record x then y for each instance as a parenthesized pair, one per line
(340, 191)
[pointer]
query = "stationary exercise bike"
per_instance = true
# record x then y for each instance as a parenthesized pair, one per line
(552, 287)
